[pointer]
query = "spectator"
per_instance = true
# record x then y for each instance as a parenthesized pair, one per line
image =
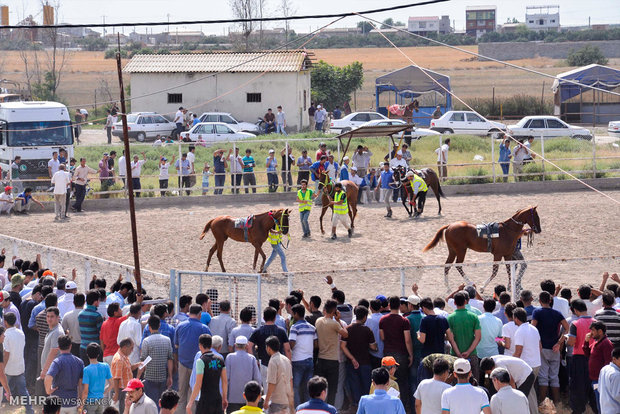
(53, 165)
(288, 161)
(527, 341)
(90, 322)
(70, 322)
(51, 347)
(178, 120)
(32, 337)
(317, 390)
(385, 183)
(559, 303)
(311, 112)
(136, 170)
(95, 377)
(357, 347)
(507, 400)
(429, 391)
(432, 332)
(280, 121)
(465, 333)
(303, 164)
(490, 330)
(598, 349)
(210, 370)
(64, 377)
(14, 364)
(464, 398)
(321, 151)
(548, 321)
(243, 329)
(520, 153)
(609, 384)
(132, 329)
(6, 306)
(236, 170)
(504, 158)
(344, 168)
(380, 402)
(185, 301)
(332, 167)
(23, 202)
(241, 368)
(161, 310)
(169, 400)
(504, 299)
(220, 164)
(104, 173)
(158, 372)
(328, 330)
(272, 172)
(122, 167)
(580, 390)
(319, 117)
(140, 402)
(252, 394)
(610, 317)
(279, 394)
(6, 200)
(394, 331)
(191, 157)
(442, 159)
(415, 318)
(509, 329)
(270, 121)
(373, 323)
(522, 376)
(249, 179)
(337, 112)
(302, 339)
(61, 181)
(65, 302)
(206, 173)
(164, 174)
(361, 160)
(222, 325)
(122, 370)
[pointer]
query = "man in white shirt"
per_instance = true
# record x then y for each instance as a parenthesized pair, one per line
(398, 161)
(464, 398)
(65, 302)
(520, 153)
(361, 159)
(191, 157)
(14, 365)
(70, 322)
(507, 400)
(428, 394)
(61, 181)
(53, 165)
(136, 169)
(131, 328)
(527, 340)
(559, 303)
(6, 202)
(508, 331)
(178, 120)
(522, 376)
(302, 340)
(363, 190)
(442, 159)
(236, 170)
(80, 179)
(122, 167)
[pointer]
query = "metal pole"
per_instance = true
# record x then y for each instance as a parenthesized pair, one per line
(542, 152)
(513, 283)
(87, 274)
(339, 157)
(258, 300)
(493, 158)
(132, 207)
(593, 155)
(234, 176)
(180, 174)
(402, 281)
(542, 99)
(173, 288)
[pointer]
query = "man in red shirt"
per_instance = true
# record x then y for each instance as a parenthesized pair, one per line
(580, 386)
(321, 151)
(598, 348)
(109, 331)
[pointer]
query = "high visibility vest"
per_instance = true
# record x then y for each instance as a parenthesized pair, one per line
(275, 236)
(305, 200)
(340, 208)
(418, 179)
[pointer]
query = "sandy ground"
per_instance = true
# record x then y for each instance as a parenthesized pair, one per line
(574, 225)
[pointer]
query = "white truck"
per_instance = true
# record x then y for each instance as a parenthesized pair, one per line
(33, 131)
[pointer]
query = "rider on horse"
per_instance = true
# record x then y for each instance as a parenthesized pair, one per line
(418, 187)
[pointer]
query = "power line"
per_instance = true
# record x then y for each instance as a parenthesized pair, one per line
(228, 21)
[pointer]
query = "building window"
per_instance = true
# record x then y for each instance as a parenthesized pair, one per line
(541, 22)
(253, 97)
(531, 21)
(422, 25)
(175, 98)
(552, 21)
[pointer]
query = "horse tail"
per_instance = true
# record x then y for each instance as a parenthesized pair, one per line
(439, 190)
(206, 230)
(431, 173)
(436, 239)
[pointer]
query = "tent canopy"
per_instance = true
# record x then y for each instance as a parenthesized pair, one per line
(599, 76)
(412, 81)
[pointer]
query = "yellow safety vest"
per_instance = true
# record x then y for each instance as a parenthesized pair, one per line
(418, 179)
(275, 236)
(305, 200)
(340, 208)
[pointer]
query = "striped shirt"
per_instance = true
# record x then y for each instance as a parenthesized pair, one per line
(304, 335)
(42, 327)
(121, 369)
(611, 318)
(90, 324)
(159, 348)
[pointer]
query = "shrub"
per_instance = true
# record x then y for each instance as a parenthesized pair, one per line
(473, 172)
(567, 145)
(518, 105)
(586, 56)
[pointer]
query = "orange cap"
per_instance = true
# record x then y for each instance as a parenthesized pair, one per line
(389, 361)
(48, 273)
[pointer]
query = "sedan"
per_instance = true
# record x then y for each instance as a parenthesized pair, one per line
(143, 125)
(230, 120)
(417, 133)
(613, 129)
(211, 132)
(467, 122)
(547, 127)
(353, 120)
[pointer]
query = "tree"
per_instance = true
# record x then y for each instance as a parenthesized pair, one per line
(586, 56)
(366, 26)
(333, 85)
(287, 9)
(246, 9)
(387, 23)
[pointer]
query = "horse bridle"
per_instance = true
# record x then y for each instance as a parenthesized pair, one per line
(327, 182)
(523, 223)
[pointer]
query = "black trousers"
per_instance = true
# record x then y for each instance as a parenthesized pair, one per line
(421, 199)
(136, 185)
(184, 182)
(235, 182)
(580, 386)
(328, 369)
(163, 184)
(303, 175)
(80, 193)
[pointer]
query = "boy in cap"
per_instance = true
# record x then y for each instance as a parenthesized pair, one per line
(464, 398)
(390, 364)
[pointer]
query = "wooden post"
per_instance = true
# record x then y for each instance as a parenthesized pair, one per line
(493, 158)
(593, 155)
(542, 99)
(493, 99)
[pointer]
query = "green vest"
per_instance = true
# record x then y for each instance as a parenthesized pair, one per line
(305, 200)
(340, 208)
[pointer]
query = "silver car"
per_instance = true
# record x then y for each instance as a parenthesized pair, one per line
(143, 125)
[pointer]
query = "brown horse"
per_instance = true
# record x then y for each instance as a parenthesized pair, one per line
(427, 174)
(327, 187)
(223, 227)
(462, 235)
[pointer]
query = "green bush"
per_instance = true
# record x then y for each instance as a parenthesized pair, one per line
(518, 105)
(567, 145)
(586, 56)
(473, 172)
(532, 168)
(470, 144)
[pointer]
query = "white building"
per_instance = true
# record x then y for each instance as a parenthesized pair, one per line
(542, 17)
(244, 84)
(423, 25)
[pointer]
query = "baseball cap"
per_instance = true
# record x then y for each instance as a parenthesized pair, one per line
(380, 297)
(403, 299)
(17, 280)
(319, 106)
(389, 362)
(413, 299)
(48, 273)
(272, 151)
(353, 168)
(462, 366)
(399, 152)
(8, 188)
(241, 340)
(345, 158)
(133, 384)
(4, 295)
(71, 285)
(164, 159)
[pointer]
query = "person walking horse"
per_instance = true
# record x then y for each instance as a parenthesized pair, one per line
(418, 189)
(275, 239)
(304, 198)
(341, 210)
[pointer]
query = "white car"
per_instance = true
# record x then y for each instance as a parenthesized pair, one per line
(613, 129)
(417, 133)
(547, 127)
(143, 125)
(212, 132)
(355, 119)
(230, 120)
(467, 122)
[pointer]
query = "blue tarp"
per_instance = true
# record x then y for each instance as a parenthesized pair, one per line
(599, 76)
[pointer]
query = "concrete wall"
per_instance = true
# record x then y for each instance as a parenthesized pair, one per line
(286, 89)
(528, 50)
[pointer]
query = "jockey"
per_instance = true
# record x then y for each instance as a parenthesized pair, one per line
(316, 169)
(419, 187)
(341, 210)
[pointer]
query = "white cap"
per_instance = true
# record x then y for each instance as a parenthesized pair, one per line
(241, 340)
(271, 151)
(353, 168)
(318, 106)
(399, 152)
(70, 285)
(462, 366)
(345, 158)
(409, 174)
(414, 300)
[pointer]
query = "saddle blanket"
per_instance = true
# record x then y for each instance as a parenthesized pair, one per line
(244, 222)
(488, 230)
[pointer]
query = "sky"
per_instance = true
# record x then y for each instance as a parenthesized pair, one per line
(572, 12)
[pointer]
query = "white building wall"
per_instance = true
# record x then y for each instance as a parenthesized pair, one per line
(549, 21)
(416, 26)
(226, 92)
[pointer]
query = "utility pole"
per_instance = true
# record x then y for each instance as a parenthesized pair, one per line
(103, 18)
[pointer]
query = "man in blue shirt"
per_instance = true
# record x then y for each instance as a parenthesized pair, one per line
(186, 345)
(317, 390)
(64, 375)
(165, 328)
(249, 179)
(385, 184)
(22, 202)
(380, 402)
(183, 168)
(220, 165)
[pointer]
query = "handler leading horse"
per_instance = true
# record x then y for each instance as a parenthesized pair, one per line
(462, 235)
(327, 187)
(430, 178)
(223, 227)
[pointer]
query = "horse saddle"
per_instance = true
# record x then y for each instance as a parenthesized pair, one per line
(244, 223)
(488, 231)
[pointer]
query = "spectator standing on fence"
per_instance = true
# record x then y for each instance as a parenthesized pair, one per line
(164, 174)
(184, 169)
(280, 121)
(14, 364)
(504, 157)
(361, 160)
(53, 165)
(272, 171)
(80, 180)
(236, 170)
(249, 179)
(303, 164)
(442, 159)
(241, 368)
(136, 170)
(288, 161)
(210, 371)
(158, 372)
(220, 164)
(206, 173)
(64, 377)
(61, 181)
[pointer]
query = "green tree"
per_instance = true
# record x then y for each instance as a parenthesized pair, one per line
(387, 23)
(365, 25)
(45, 90)
(586, 56)
(333, 85)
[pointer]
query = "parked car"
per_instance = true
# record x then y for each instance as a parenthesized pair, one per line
(417, 133)
(211, 132)
(467, 122)
(613, 129)
(230, 120)
(548, 127)
(143, 125)
(355, 119)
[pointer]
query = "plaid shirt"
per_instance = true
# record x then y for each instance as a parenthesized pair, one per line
(159, 348)
(121, 369)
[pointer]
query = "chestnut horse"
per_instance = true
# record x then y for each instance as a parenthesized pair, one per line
(427, 174)
(461, 235)
(327, 187)
(223, 227)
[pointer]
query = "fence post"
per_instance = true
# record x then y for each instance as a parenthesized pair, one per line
(48, 259)
(15, 249)
(593, 155)
(289, 281)
(513, 283)
(493, 151)
(258, 300)
(234, 176)
(173, 287)
(87, 274)
(542, 152)
(402, 281)
(339, 156)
